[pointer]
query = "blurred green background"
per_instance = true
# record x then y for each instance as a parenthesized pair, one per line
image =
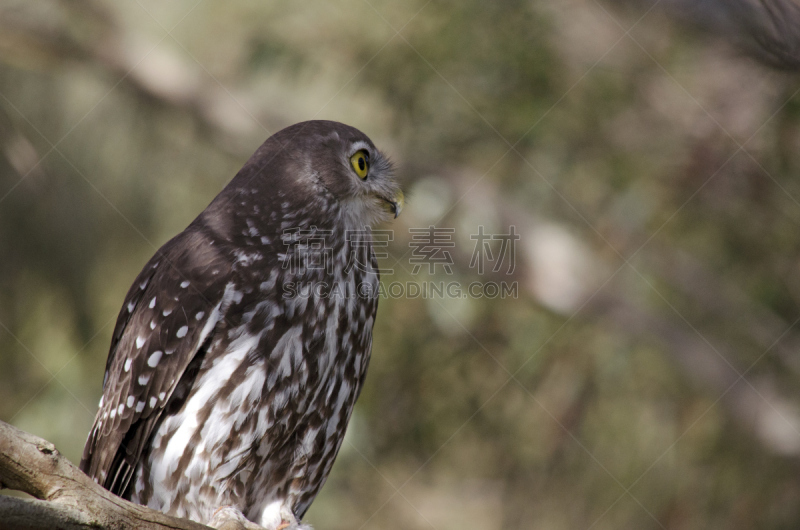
(647, 374)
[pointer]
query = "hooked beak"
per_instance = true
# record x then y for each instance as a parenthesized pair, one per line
(396, 203)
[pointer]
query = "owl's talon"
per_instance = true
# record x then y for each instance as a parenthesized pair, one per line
(220, 509)
(293, 525)
(230, 518)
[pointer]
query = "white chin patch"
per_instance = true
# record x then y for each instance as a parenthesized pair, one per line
(358, 213)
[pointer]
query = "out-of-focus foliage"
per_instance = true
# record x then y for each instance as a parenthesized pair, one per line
(647, 374)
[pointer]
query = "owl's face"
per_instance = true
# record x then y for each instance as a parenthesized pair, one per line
(320, 160)
(346, 163)
(363, 180)
(311, 164)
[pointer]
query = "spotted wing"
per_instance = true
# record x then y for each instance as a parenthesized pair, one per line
(168, 319)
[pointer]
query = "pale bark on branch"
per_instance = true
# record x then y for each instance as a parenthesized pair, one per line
(65, 497)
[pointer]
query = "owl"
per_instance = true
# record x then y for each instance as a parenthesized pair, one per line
(242, 346)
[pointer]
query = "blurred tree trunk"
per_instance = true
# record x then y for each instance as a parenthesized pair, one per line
(767, 30)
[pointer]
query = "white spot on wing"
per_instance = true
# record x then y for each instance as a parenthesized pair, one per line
(199, 315)
(140, 342)
(184, 284)
(166, 312)
(182, 332)
(130, 401)
(127, 365)
(143, 379)
(139, 406)
(252, 230)
(152, 303)
(131, 305)
(152, 361)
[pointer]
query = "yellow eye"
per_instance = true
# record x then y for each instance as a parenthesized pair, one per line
(360, 163)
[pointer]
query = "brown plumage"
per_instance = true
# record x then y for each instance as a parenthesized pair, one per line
(242, 345)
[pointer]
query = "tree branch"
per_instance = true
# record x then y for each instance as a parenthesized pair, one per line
(68, 499)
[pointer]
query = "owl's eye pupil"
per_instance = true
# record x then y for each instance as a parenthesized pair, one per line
(360, 163)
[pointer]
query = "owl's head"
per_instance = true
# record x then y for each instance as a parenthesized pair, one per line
(316, 162)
